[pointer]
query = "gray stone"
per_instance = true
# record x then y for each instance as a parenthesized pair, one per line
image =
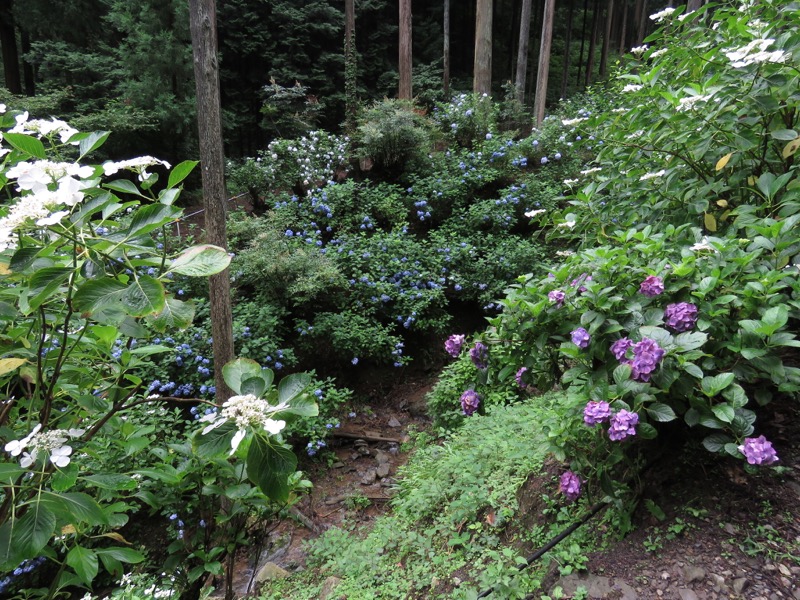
(326, 593)
(393, 422)
(271, 571)
(687, 594)
(382, 457)
(740, 584)
(369, 477)
(598, 587)
(382, 470)
(693, 573)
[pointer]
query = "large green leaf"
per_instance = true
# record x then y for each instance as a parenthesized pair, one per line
(84, 562)
(216, 442)
(254, 385)
(96, 294)
(201, 261)
(269, 467)
(34, 529)
(92, 142)
(44, 283)
(712, 386)
(292, 386)
(181, 172)
(144, 296)
(661, 412)
(9, 472)
(74, 506)
(238, 371)
(111, 481)
(175, 315)
(123, 185)
(126, 555)
(151, 217)
(27, 144)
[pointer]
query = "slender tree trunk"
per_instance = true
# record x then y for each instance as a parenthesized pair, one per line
(8, 46)
(404, 89)
(350, 66)
(203, 27)
(567, 48)
(624, 28)
(606, 40)
(544, 61)
(641, 24)
(592, 43)
(28, 74)
(693, 5)
(447, 50)
(583, 41)
(522, 54)
(482, 72)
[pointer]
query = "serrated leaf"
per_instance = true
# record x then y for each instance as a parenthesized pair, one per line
(111, 481)
(622, 373)
(44, 283)
(724, 412)
(239, 370)
(181, 172)
(96, 294)
(661, 412)
(783, 135)
(254, 385)
(269, 467)
(143, 296)
(151, 217)
(716, 442)
(690, 340)
(693, 370)
(74, 506)
(646, 431)
(92, 142)
(712, 386)
(216, 442)
(84, 562)
(126, 555)
(34, 529)
(723, 161)
(175, 315)
(292, 386)
(124, 186)
(201, 261)
(9, 472)
(27, 144)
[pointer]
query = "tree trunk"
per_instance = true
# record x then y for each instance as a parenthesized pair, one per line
(522, 54)
(350, 66)
(641, 24)
(446, 50)
(544, 61)
(28, 74)
(8, 46)
(624, 28)
(592, 43)
(693, 5)
(404, 89)
(482, 72)
(583, 41)
(203, 27)
(567, 47)
(606, 40)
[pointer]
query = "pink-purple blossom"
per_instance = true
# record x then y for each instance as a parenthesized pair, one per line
(620, 348)
(623, 424)
(758, 451)
(578, 281)
(454, 344)
(581, 338)
(470, 401)
(520, 377)
(556, 296)
(652, 286)
(479, 354)
(596, 412)
(647, 354)
(681, 316)
(570, 485)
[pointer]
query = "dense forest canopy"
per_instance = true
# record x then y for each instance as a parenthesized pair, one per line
(126, 66)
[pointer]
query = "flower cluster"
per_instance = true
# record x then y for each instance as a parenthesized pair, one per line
(622, 425)
(470, 401)
(755, 52)
(581, 338)
(595, 413)
(454, 344)
(647, 354)
(50, 443)
(520, 377)
(43, 128)
(681, 316)
(652, 286)
(137, 165)
(570, 485)
(758, 451)
(246, 411)
(479, 354)
(556, 296)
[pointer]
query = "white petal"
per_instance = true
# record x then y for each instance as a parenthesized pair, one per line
(273, 426)
(237, 439)
(213, 426)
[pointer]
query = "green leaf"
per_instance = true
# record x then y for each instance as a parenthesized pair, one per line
(144, 296)
(216, 442)
(92, 142)
(690, 341)
(661, 412)
(303, 405)
(27, 144)
(181, 172)
(292, 386)
(124, 186)
(34, 529)
(9, 472)
(646, 431)
(785, 135)
(151, 217)
(74, 506)
(254, 385)
(126, 555)
(622, 373)
(44, 283)
(716, 441)
(64, 479)
(95, 294)
(84, 562)
(751, 353)
(736, 395)
(175, 315)
(112, 481)
(269, 467)
(693, 370)
(724, 412)
(201, 261)
(712, 386)
(239, 370)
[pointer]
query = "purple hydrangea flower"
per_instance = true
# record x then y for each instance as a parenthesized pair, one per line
(581, 337)
(519, 377)
(620, 348)
(479, 354)
(454, 344)
(646, 356)
(596, 412)
(470, 400)
(623, 424)
(570, 485)
(758, 451)
(652, 286)
(579, 281)
(556, 296)
(680, 317)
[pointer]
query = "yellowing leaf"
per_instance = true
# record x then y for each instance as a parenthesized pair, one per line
(791, 147)
(68, 530)
(116, 537)
(724, 216)
(710, 222)
(7, 365)
(724, 161)
(722, 203)
(751, 180)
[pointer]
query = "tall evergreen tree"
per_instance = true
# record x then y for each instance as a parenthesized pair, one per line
(404, 63)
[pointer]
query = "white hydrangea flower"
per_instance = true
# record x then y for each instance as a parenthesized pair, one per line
(659, 52)
(703, 245)
(570, 122)
(50, 443)
(637, 50)
(647, 176)
(246, 411)
(661, 15)
(755, 52)
(532, 213)
(138, 165)
(632, 87)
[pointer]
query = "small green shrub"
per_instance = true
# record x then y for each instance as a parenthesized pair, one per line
(393, 135)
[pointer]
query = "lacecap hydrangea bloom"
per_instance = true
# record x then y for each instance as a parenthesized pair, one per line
(581, 338)
(596, 412)
(245, 412)
(479, 354)
(454, 344)
(758, 451)
(652, 286)
(556, 296)
(570, 486)
(680, 317)
(623, 424)
(470, 401)
(647, 354)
